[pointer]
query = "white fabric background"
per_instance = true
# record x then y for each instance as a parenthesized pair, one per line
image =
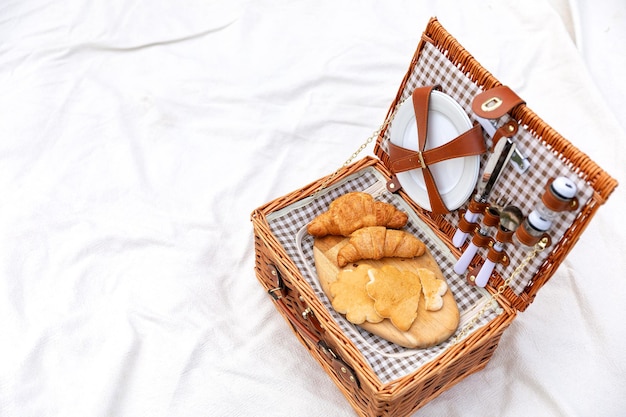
(138, 136)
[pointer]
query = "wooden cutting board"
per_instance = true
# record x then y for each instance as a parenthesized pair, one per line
(429, 328)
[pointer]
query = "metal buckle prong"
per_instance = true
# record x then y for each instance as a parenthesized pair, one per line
(421, 157)
(276, 293)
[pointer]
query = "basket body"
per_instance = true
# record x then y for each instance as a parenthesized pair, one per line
(373, 386)
(316, 329)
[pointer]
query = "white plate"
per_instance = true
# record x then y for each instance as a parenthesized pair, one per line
(455, 178)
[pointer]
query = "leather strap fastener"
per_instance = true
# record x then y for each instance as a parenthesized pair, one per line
(498, 257)
(507, 130)
(402, 159)
(491, 217)
(341, 368)
(554, 203)
(482, 241)
(279, 290)
(465, 226)
(475, 207)
(528, 239)
(504, 235)
(495, 102)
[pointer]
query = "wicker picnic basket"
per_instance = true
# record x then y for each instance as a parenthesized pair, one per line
(377, 377)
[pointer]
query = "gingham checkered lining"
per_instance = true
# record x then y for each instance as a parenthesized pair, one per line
(388, 360)
(523, 190)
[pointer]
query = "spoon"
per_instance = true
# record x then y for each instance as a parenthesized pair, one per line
(510, 219)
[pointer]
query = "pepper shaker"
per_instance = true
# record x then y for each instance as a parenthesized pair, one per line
(559, 196)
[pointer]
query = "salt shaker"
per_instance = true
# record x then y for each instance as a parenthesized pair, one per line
(559, 196)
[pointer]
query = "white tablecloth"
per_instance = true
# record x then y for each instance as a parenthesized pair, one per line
(137, 138)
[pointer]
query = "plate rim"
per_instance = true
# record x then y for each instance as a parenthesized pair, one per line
(454, 198)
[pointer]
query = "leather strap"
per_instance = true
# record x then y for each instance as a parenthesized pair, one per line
(554, 203)
(482, 241)
(464, 226)
(463, 145)
(475, 207)
(495, 102)
(491, 217)
(393, 185)
(504, 235)
(343, 371)
(421, 100)
(500, 257)
(527, 239)
(402, 159)
(507, 130)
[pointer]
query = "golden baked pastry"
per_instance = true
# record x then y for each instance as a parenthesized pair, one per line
(432, 288)
(349, 296)
(376, 242)
(353, 211)
(396, 294)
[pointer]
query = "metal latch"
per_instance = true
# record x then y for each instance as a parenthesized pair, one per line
(279, 291)
(343, 370)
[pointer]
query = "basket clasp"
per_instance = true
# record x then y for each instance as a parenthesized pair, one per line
(279, 291)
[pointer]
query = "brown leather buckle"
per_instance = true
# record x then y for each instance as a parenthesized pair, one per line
(528, 239)
(482, 241)
(495, 102)
(420, 156)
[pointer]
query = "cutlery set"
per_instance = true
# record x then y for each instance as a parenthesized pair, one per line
(501, 223)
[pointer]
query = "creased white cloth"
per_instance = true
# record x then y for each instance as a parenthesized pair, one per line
(137, 138)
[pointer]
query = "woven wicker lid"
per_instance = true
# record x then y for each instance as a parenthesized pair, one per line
(441, 59)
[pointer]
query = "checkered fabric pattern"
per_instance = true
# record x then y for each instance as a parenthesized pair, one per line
(388, 360)
(523, 190)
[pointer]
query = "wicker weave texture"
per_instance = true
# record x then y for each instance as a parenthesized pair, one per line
(557, 156)
(373, 398)
(402, 396)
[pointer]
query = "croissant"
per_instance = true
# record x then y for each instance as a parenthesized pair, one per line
(378, 242)
(353, 211)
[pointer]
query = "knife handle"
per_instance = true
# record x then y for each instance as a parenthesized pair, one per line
(460, 236)
(461, 265)
(485, 271)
